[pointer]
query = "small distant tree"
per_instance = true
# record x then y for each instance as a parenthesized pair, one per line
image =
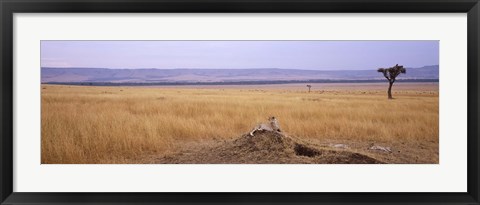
(391, 74)
(309, 87)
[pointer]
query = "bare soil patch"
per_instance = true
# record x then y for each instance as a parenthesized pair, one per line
(266, 147)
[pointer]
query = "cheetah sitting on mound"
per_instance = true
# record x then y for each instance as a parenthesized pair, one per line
(272, 125)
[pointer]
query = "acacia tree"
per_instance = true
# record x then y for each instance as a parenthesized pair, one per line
(391, 74)
(309, 86)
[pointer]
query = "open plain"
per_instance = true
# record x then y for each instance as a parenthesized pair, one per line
(208, 124)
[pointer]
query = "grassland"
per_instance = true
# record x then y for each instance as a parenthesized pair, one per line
(83, 125)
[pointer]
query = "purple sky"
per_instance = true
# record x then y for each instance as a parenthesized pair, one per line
(318, 55)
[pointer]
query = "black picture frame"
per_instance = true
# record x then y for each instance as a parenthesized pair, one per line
(9, 7)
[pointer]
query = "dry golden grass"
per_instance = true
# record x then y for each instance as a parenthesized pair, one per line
(121, 124)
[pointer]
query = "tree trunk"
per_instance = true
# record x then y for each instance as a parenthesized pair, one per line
(390, 90)
(309, 89)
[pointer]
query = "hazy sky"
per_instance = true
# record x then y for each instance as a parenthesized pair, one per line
(319, 55)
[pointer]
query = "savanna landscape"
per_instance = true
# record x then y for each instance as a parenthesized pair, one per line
(239, 102)
(98, 124)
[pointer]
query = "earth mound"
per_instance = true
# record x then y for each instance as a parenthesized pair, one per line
(265, 147)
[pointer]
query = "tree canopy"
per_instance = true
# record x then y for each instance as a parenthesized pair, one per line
(392, 72)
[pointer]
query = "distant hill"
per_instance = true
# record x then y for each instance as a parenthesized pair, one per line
(103, 75)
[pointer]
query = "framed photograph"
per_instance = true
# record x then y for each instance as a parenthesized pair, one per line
(229, 102)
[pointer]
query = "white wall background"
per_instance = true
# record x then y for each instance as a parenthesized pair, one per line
(448, 176)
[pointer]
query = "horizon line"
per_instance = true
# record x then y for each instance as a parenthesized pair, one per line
(217, 68)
